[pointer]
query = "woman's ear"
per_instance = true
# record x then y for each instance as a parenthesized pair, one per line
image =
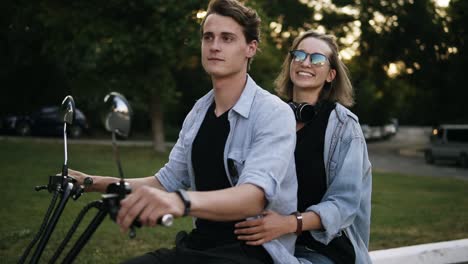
(331, 75)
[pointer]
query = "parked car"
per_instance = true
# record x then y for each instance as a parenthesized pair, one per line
(448, 142)
(366, 131)
(385, 131)
(45, 121)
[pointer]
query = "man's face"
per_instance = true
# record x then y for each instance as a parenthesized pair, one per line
(224, 48)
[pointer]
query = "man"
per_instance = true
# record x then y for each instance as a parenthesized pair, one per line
(235, 151)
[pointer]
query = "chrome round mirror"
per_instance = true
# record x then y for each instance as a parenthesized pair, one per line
(67, 110)
(118, 114)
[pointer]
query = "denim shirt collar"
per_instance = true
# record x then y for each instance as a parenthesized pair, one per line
(343, 113)
(243, 105)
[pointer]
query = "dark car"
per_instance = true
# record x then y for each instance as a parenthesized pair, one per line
(46, 121)
(448, 142)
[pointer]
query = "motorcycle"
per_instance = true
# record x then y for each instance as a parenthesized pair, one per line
(117, 120)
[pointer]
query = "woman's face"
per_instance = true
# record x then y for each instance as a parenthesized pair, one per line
(305, 75)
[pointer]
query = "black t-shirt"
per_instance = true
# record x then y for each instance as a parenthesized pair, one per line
(208, 166)
(312, 183)
(210, 174)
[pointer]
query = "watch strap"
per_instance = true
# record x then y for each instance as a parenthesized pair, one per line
(185, 199)
(299, 222)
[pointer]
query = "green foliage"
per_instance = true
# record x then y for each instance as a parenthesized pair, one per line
(455, 92)
(417, 39)
(149, 50)
(132, 46)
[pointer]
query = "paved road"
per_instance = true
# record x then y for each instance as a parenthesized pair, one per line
(404, 154)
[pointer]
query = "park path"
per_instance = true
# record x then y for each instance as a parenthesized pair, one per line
(404, 154)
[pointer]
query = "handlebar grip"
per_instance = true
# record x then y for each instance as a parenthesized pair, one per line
(166, 220)
(136, 223)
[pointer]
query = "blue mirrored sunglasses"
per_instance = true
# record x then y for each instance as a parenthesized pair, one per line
(316, 59)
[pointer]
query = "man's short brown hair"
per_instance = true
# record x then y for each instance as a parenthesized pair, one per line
(244, 16)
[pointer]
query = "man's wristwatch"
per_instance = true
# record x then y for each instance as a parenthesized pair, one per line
(299, 223)
(88, 181)
(185, 199)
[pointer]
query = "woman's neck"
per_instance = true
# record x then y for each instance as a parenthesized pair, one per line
(310, 96)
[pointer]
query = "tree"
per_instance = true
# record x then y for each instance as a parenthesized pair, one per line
(23, 68)
(398, 52)
(401, 52)
(455, 95)
(132, 46)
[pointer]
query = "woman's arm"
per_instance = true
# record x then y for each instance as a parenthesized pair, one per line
(273, 225)
(269, 226)
(348, 185)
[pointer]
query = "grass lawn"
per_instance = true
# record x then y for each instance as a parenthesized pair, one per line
(406, 210)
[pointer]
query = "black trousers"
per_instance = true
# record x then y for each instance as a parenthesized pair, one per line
(232, 253)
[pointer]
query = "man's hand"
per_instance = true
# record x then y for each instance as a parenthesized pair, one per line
(148, 204)
(259, 231)
(78, 176)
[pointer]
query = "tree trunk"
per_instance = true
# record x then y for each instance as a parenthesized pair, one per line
(157, 124)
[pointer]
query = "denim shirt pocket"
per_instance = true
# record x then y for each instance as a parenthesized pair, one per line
(235, 163)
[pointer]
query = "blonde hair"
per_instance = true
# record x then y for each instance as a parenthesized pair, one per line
(339, 90)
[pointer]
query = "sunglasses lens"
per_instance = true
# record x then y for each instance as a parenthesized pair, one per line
(318, 59)
(299, 55)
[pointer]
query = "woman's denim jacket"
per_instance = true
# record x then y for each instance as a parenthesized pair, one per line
(259, 150)
(346, 205)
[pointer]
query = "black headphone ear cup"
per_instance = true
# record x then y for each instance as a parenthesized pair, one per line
(293, 106)
(305, 112)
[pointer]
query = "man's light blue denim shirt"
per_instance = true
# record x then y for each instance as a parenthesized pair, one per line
(346, 205)
(261, 144)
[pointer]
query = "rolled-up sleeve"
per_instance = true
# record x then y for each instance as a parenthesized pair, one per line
(341, 201)
(273, 146)
(174, 175)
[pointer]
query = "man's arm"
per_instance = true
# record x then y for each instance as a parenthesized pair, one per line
(229, 204)
(100, 183)
(150, 204)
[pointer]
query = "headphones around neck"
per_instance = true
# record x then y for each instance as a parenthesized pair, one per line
(304, 112)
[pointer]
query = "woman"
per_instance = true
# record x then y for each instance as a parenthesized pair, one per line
(332, 165)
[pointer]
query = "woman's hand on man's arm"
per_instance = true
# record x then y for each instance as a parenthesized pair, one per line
(261, 230)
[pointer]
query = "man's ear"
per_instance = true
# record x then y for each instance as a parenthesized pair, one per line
(331, 75)
(251, 49)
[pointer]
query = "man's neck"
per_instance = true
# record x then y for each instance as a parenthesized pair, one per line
(227, 91)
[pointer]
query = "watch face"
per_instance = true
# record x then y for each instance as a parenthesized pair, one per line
(88, 181)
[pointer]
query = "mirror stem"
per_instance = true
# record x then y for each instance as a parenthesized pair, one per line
(117, 156)
(65, 167)
(119, 165)
(65, 142)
